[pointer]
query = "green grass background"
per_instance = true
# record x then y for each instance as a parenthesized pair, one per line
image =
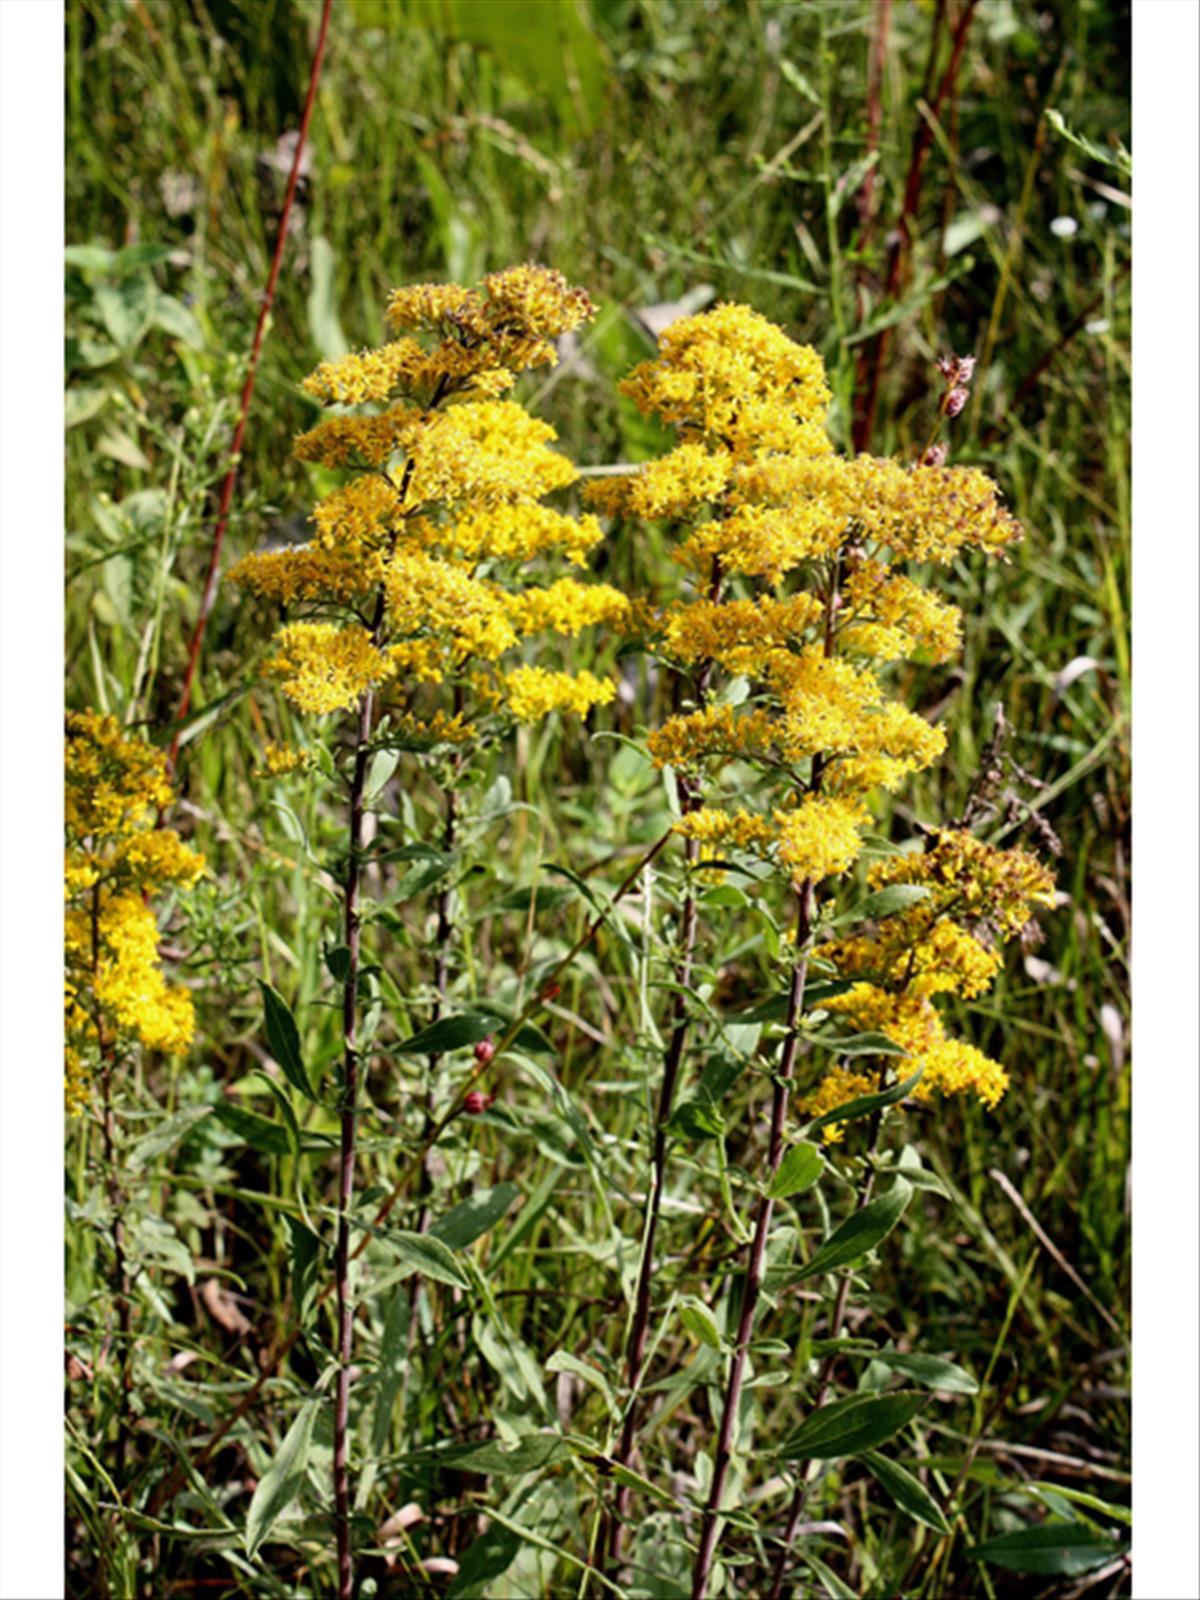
(657, 151)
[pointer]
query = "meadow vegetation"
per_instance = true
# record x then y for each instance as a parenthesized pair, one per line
(506, 913)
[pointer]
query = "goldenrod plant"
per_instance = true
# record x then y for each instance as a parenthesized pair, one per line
(794, 602)
(119, 1002)
(419, 625)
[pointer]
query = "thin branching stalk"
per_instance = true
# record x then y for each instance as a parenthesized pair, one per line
(825, 1378)
(635, 1357)
(349, 1112)
(175, 1480)
(208, 593)
(754, 1272)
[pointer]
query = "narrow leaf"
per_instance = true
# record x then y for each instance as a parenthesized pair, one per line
(934, 1372)
(1055, 1549)
(848, 1427)
(886, 902)
(428, 1256)
(281, 1482)
(909, 1493)
(699, 1321)
(865, 1104)
(475, 1216)
(448, 1033)
(284, 1039)
(860, 1232)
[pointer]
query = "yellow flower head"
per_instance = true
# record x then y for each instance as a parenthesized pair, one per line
(116, 860)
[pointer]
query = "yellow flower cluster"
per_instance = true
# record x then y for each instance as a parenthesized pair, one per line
(532, 693)
(446, 504)
(793, 550)
(946, 942)
(281, 759)
(116, 859)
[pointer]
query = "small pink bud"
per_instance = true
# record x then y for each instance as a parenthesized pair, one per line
(550, 992)
(475, 1102)
(955, 401)
(935, 456)
(485, 1050)
(948, 367)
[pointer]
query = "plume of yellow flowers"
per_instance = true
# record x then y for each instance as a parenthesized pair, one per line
(796, 601)
(117, 860)
(412, 575)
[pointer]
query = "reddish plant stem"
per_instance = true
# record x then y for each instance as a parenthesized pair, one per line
(345, 1309)
(870, 368)
(709, 1528)
(208, 593)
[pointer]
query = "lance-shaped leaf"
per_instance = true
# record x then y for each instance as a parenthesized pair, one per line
(848, 1427)
(909, 1493)
(860, 1232)
(280, 1483)
(284, 1039)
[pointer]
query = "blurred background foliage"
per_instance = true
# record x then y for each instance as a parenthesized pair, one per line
(666, 154)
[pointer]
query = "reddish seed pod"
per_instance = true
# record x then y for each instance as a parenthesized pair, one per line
(550, 992)
(935, 456)
(955, 401)
(476, 1101)
(485, 1050)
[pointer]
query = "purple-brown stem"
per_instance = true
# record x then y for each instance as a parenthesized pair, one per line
(709, 1529)
(345, 1310)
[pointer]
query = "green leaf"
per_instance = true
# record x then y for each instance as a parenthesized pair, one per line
(1055, 1549)
(284, 1039)
(174, 318)
(487, 1558)
(564, 1361)
(848, 1427)
(529, 1454)
(909, 1493)
(136, 256)
(260, 1133)
(89, 257)
(934, 1372)
(166, 1135)
(800, 1168)
(428, 1256)
(699, 1321)
(448, 1033)
(1079, 1497)
(281, 1482)
(860, 1232)
(291, 1126)
(126, 311)
(1119, 159)
(474, 1216)
(865, 1104)
(304, 1260)
(82, 402)
(886, 902)
(857, 1044)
